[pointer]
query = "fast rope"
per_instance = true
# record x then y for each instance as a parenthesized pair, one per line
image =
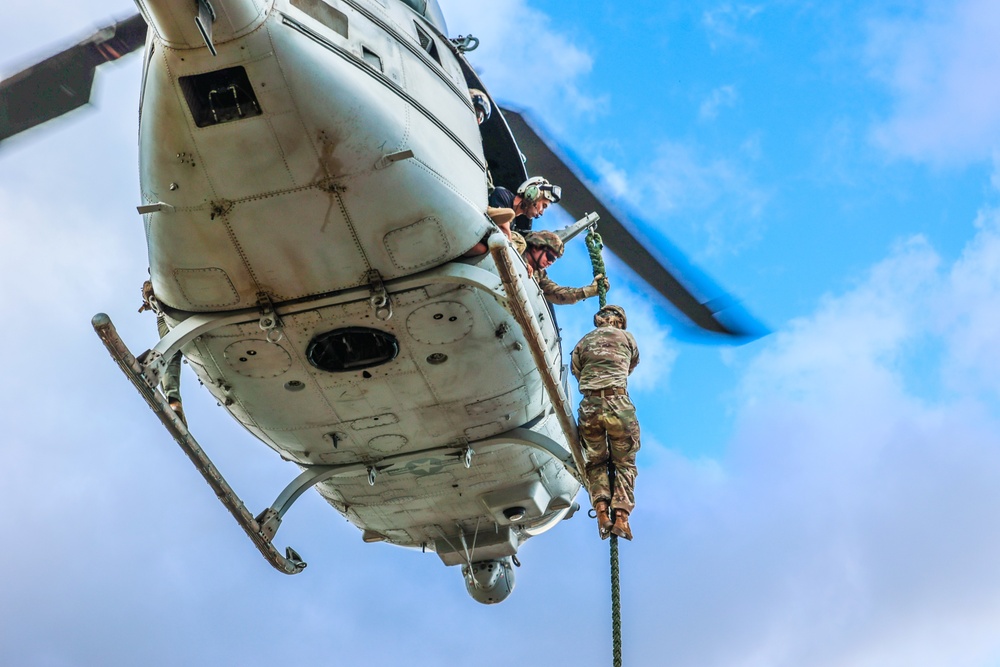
(594, 246)
(616, 606)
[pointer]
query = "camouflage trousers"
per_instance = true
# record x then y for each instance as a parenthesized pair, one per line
(170, 381)
(609, 432)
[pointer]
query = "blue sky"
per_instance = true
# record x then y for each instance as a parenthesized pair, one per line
(823, 496)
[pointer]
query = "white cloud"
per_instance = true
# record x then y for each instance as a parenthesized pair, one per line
(970, 311)
(721, 97)
(941, 70)
(867, 326)
(613, 179)
(724, 23)
(852, 522)
(524, 60)
(716, 197)
(717, 192)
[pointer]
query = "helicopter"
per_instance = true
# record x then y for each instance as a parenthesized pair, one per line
(343, 327)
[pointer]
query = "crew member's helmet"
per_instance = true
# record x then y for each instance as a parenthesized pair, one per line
(617, 310)
(537, 187)
(481, 103)
(545, 239)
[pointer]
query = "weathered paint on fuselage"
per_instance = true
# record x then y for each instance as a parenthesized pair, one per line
(306, 200)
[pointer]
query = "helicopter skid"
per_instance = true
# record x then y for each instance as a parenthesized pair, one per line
(291, 562)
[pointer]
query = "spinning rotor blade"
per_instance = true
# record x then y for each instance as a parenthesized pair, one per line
(62, 82)
(545, 159)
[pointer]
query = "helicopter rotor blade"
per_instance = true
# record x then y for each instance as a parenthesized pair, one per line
(546, 158)
(63, 82)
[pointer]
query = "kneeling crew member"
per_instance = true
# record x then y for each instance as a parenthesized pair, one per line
(529, 202)
(609, 430)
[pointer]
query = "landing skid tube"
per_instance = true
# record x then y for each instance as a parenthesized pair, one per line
(291, 562)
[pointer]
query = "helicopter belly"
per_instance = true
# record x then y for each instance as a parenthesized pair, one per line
(323, 169)
(460, 372)
(457, 374)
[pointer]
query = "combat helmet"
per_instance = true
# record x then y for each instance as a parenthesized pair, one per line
(545, 239)
(617, 310)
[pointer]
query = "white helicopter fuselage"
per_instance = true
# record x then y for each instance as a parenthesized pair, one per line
(329, 157)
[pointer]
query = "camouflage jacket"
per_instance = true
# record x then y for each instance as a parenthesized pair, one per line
(554, 293)
(518, 243)
(559, 295)
(604, 358)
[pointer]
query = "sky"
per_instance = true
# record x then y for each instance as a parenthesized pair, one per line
(825, 495)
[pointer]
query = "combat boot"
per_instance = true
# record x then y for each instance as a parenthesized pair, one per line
(621, 527)
(175, 405)
(604, 522)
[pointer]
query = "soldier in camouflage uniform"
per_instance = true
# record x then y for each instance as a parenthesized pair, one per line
(544, 248)
(602, 362)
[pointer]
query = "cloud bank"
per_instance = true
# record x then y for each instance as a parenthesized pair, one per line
(523, 58)
(940, 69)
(853, 520)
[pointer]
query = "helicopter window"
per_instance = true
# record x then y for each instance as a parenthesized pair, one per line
(419, 6)
(220, 97)
(427, 43)
(372, 58)
(351, 349)
(334, 19)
